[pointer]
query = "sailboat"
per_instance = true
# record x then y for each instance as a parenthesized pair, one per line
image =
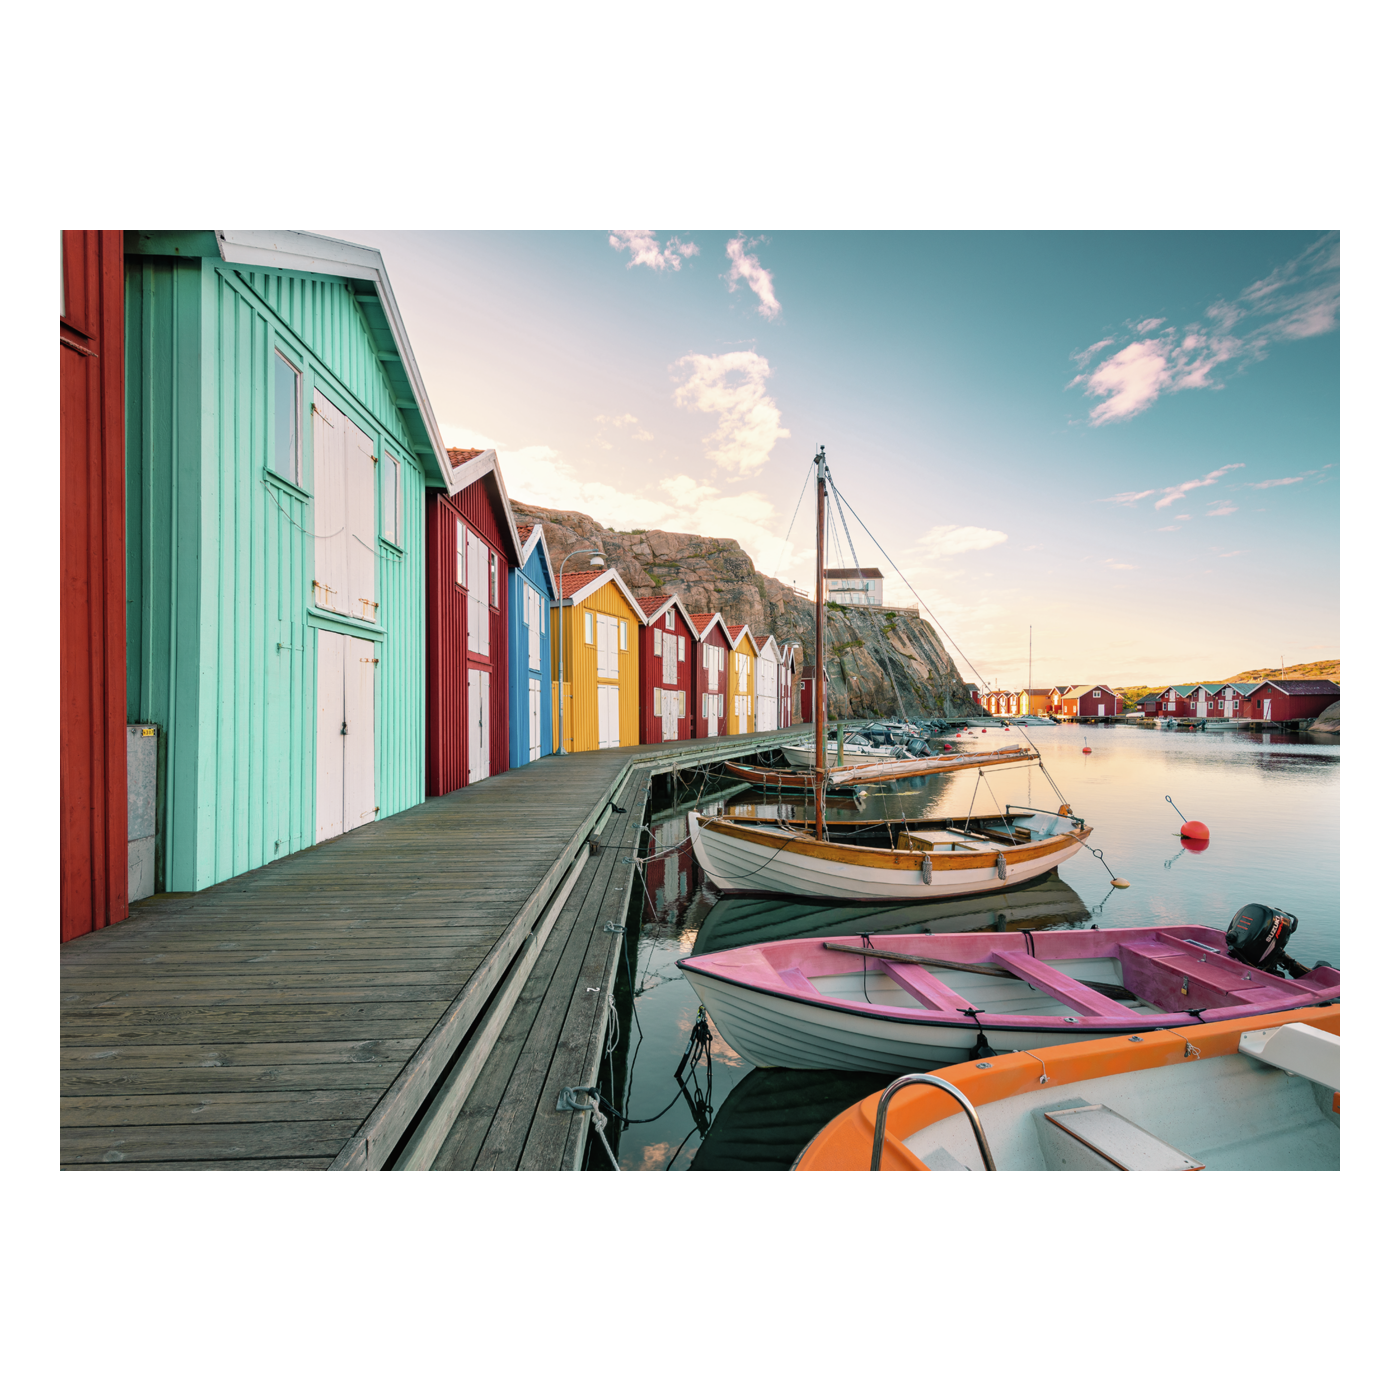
(886, 861)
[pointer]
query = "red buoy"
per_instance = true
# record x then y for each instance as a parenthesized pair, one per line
(1087, 749)
(1195, 831)
(984, 731)
(1192, 843)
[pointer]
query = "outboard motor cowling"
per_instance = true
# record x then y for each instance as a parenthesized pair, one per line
(1258, 934)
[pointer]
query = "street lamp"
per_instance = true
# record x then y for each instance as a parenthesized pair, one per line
(596, 561)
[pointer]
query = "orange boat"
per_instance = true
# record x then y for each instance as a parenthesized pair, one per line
(1257, 1094)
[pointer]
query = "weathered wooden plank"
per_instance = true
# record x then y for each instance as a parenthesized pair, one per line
(232, 1055)
(271, 1106)
(210, 1142)
(227, 1079)
(256, 1164)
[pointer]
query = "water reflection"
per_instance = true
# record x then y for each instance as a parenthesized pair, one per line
(1272, 809)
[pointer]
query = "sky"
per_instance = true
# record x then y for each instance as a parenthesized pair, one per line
(1127, 442)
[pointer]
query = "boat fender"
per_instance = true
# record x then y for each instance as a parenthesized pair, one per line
(1064, 810)
(1257, 935)
(926, 870)
(1001, 866)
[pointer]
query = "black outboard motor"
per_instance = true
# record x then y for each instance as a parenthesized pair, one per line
(1257, 936)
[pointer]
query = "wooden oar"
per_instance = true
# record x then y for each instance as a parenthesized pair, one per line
(1108, 989)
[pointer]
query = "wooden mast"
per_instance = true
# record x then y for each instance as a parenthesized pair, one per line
(818, 677)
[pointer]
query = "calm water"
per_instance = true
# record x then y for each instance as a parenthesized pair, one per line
(1271, 801)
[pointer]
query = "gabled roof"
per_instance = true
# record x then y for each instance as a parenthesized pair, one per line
(1082, 690)
(737, 635)
(576, 587)
(364, 268)
(654, 604)
(531, 539)
(470, 464)
(1024, 691)
(1305, 687)
(705, 622)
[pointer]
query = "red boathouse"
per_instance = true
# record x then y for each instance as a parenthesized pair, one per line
(668, 661)
(472, 543)
(1282, 702)
(711, 674)
(92, 733)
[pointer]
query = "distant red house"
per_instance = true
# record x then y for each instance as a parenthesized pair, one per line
(1087, 702)
(668, 659)
(91, 520)
(472, 543)
(1284, 701)
(711, 674)
(1151, 704)
(807, 692)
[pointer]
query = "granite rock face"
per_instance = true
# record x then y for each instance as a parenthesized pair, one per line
(880, 662)
(1329, 721)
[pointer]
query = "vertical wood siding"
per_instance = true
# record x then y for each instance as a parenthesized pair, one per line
(92, 564)
(221, 647)
(535, 574)
(715, 637)
(581, 669)
(744, 648)
(651, 679)
(449, 659)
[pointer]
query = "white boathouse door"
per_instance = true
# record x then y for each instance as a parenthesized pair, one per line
(344, 733)
(1268, 707)
(534, 720)
(609, 733)
(478, 725)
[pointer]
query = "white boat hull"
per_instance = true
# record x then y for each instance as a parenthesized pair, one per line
(805, 756)
(737, 865)
(775, 1033)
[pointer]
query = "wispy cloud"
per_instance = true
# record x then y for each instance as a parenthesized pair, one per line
(1297, 300)
(1232, 553)
(1163, 529)
(646, 252)
(1115, 564)
(1127, 498)
(622, 420)
(745, 267)
(1222, 508)
(1183, 517)
(944, 540)
(1173, 494)
(733, 386)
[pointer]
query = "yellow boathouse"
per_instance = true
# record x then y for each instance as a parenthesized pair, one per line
(597, 625)
(743, 679)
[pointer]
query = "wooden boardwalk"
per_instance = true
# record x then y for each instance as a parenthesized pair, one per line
(336, 1009)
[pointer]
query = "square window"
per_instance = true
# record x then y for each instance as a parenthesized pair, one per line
(286, 447)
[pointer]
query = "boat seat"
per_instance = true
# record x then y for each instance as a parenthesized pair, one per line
(1081, 1137)
(1296, 1048)
(923, 986)
(1065, 989)
(797, 980)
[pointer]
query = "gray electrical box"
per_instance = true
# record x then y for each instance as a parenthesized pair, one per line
(141, 741)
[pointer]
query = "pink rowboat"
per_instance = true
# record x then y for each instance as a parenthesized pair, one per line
(892, 1002)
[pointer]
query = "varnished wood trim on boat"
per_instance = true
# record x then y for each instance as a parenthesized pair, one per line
(800, 843)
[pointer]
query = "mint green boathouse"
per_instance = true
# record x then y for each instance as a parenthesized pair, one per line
(279, 449)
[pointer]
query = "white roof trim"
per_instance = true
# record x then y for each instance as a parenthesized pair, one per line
(673, 600)
(486, 463)
(536, 539)
(334, 257)
(607, 576)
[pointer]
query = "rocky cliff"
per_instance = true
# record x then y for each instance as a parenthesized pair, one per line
(879, 662)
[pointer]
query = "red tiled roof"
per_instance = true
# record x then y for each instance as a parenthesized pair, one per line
(653, 603)
(458, 455)
(761, 642)
(734, 633)
(569, 584)
(703, 621)
(524, 531)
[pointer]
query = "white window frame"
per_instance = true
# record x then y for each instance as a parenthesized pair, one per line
(588, 629)
(390, 497)
(622, 634)
(461, 567)
(294, 475)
